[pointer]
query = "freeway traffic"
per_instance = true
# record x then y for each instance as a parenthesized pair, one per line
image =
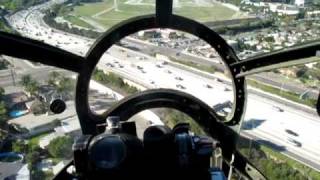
(274, 118)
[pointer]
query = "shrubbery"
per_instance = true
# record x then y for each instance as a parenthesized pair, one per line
(60, 147)
(114, 82)
(52, 14)
(272, 165)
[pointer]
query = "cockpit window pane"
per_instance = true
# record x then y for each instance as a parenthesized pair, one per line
(36, 139)
(280, 130)
(157, 58)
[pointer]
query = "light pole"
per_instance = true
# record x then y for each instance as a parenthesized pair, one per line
(12, 75)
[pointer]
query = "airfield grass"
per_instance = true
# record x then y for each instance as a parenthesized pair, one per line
(126, 11)
(89, 9)
(77, 21)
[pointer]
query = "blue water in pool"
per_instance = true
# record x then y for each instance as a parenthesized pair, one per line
(15, 114)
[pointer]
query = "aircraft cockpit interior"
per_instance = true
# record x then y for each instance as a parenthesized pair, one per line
(159, 89)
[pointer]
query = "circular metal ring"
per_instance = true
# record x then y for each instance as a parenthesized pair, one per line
(89, 119)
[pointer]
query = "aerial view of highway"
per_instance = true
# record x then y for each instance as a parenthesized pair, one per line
(270, 119)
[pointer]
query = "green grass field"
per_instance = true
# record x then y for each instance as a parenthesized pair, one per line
(77, 21)
(105, 14)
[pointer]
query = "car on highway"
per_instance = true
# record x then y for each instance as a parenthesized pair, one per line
(290, 132)
(277, 108)
(168, 71)
(164, 63)
(180, 86)
(143, 71)
(178, 78)
(159, 65)
(109, 65)
(227, 89)
(139, 67)
(139, 58)
(294, 142)
(208, 86)
(219, 80)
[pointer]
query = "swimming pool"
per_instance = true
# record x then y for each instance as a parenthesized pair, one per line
(16, 113)
(9, 157)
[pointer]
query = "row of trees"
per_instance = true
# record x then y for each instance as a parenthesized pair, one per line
(84, 1)
(113, 81)
(271, 166)
(50, 16)
(60, 82)
(244, 27)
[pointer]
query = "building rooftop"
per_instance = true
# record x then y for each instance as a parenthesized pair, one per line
(14, 98)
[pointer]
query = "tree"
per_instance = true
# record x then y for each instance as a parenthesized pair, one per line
(2, 92)
(19, 146)
(32, 158)
(30, 85)
(37, 174)
(38, 107)
(301, 71)
(33, 87)
(65, 85)
(3, 108)
(25, 80)
(54, 78)
(62, 83)
(3, 113)
(60, 147)
(3, 63)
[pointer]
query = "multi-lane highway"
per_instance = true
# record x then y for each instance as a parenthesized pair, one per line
(269, 78)
(265, 119)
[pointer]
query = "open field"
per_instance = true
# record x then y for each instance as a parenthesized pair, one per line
(108, 15)
(77, 21)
